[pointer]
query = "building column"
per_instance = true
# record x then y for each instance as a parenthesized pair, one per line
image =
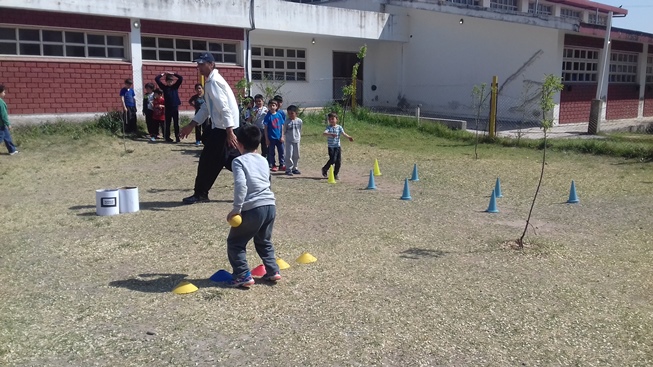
(641, 74)
(522, 6)
(485, 3)
(136, 57)
(556, 10)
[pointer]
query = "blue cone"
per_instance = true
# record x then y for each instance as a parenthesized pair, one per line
(415, 176)
(406, 195)
(573, 198)
(371, 185)
(492, 208)
(497, 189)
(221, 276)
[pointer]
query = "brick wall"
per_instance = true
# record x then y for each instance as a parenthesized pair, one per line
(623, 101)
(49, 87)
(191, 30)
(189, 71)
(575, 102)
(648, 101)
(52, 19)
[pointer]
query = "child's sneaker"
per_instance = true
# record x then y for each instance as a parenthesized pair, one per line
(324, 173)
(296, 172)
(198, 143)
(244, 281)
(14, 152)
(152, 139)
(274, 169)
(272, 277)
(337, 178)
(288, 173)
(282, 168)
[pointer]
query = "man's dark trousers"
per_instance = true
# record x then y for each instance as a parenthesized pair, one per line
(212, 160)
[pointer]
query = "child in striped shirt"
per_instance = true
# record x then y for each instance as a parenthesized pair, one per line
(333, 132)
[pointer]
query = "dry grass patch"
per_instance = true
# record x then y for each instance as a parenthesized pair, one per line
(426, 282)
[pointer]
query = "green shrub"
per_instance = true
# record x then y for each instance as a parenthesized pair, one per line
(111, 121)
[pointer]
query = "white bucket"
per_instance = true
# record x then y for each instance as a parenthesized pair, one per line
(107, 202)
(128, 199)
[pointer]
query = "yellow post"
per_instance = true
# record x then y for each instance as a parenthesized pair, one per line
(493, 107)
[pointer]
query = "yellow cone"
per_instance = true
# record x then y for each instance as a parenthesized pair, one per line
(306, 258)
(282, 264)
(184, 287)
(377, 171)
(332, 178)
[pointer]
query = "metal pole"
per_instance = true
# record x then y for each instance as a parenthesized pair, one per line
(606, 56)
(418, 113)
(493, 107)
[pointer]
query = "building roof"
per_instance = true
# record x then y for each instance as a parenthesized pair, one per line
(591, 5)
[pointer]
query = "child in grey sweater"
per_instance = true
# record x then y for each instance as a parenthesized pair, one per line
(255, 203)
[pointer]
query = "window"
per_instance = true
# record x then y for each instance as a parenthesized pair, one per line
(623, 67)
(186, 50)
(541, 9)
(597, 19)
(274, 63)
(570, 13)
(46, 42)
(464, 2)
(510, 5)
(649, 69)
(579, 64)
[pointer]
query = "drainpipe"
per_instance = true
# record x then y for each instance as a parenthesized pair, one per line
(248, 47)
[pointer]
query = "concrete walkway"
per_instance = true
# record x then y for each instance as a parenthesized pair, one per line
(580, 130)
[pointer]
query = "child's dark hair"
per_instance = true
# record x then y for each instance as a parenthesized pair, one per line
(292, 108)
(197, 85)
(158, 91)
(278, 98)
(128, 81)
(258, 96)
(149, 85)
(249, 136)
(2, 88)
(332, 114)
(273, 101)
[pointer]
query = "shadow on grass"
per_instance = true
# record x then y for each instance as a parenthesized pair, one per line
(163, 283)
(194, 152)
(416, 253)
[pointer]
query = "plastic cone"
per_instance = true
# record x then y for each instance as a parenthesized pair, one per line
(497, 189)
(282, 264)
(184, 288)
(406, 195)
(377, 171)
(259, 271)
(306, 258)
(371, 185)
(415, 176)
(221, 276)
(332, 178)
(492, 208)
(573, 198)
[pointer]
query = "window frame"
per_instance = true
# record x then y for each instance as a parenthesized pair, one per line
(193, 51)
(542, 9)
(623, 67)
(63, 44)
(580, 64)
(260, 60)
(649, 68)
(506, 5)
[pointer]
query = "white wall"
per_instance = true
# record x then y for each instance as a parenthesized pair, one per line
(445, 59)
(380, 68)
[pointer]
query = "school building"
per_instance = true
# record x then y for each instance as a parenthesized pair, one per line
(67, 59)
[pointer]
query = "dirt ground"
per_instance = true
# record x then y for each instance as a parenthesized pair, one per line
(427, 282)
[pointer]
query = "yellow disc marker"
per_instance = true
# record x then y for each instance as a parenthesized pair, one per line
(306, 258)
(236, 220)
(184, 288)
(282, 264)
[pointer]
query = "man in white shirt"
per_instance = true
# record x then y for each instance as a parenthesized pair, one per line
(222, 108)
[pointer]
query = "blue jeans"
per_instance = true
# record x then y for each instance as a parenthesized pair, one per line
(5, 136)
(275, 143)
(257, 224)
